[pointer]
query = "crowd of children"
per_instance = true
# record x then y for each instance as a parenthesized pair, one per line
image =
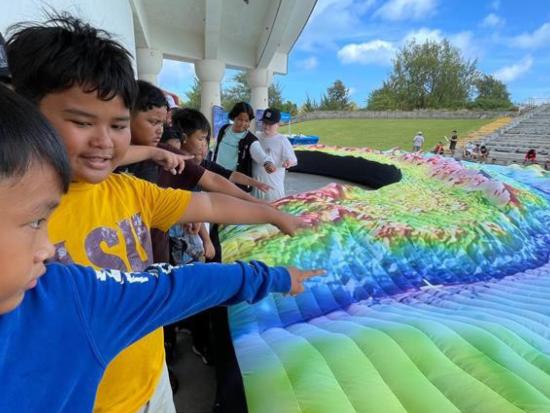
(84, 333)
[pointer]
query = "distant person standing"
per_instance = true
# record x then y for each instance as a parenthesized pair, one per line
(453, 142)
(280, 150)
(418, 141)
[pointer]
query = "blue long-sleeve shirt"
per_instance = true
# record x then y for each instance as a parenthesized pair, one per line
(56, 345)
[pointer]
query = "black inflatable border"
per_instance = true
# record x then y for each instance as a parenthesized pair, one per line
(348, 168)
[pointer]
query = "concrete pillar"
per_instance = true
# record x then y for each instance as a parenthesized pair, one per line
(259, 81)
(210, 74)
(149, 64)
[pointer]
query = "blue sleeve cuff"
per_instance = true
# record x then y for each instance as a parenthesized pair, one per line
(281, 280)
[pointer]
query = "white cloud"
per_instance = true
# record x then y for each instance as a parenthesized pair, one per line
(308, 64)
(333, 21)
(539, 38)
(382, 52)
(175, 75)
(374, 52)
(396, 10)
(423, 35)
(467, 44)
(492, 20)
(511, 73)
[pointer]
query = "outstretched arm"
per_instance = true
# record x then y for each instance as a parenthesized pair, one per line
(165, 294)
(212, 182)
(242, 179)
(223, 209)
(171, 162)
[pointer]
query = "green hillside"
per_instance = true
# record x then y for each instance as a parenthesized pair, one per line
(384, 133)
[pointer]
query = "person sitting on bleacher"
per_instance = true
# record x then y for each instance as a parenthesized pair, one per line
(469, 150)
(483, 153)
(530, 157)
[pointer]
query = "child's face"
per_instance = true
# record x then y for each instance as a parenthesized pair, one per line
(271, 128)
(26, 203)
(147, 127)
(96, 132)
(195, 143)
(241, 122)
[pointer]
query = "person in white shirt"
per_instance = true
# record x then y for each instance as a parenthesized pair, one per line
(418, 141)
(279, 149)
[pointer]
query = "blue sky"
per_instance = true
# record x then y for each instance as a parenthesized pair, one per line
(355, 41)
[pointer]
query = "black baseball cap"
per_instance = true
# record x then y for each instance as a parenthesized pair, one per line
(5, 75)
(271, 116)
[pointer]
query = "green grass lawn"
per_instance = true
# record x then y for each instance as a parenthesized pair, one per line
(384, 133)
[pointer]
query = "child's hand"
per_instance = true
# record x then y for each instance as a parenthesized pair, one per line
(209, 250)
(288, 164)
(263, 187)
(192, 228)
(289, 224)
(297, 277)
(170, 162)
(270, 167)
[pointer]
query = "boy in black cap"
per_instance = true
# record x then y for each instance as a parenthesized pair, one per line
(280, 150)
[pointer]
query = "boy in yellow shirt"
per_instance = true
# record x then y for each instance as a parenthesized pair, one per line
(83, 82)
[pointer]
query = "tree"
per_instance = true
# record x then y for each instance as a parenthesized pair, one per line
(430, 75)
(382, 99)
(194, 96)
(238, 92)
(310, 105)
(336, 98)
(276, 100)
(491, 93)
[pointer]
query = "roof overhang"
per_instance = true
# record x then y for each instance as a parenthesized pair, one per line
(243, 34)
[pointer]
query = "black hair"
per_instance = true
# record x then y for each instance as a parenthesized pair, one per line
(148, 97)
(189, 120)
(64, 52)
(27, 137)
(171, 132)
(5, 76)
(241, 107)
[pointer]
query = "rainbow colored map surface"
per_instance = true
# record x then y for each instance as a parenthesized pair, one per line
(436, 299)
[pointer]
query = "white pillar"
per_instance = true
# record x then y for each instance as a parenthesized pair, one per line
(210, 74)
(149, 63)
(259, 81)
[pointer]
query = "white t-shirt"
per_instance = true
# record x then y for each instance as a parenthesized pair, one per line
(418, 141)
(279, 149)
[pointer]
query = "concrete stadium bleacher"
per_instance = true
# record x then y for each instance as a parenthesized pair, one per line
(531, 131)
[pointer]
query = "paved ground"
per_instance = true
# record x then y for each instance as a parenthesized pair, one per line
(198, 382)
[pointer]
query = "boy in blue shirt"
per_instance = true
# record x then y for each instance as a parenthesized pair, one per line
(60, 326)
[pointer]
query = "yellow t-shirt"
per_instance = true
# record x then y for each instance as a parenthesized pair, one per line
(107, 225)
